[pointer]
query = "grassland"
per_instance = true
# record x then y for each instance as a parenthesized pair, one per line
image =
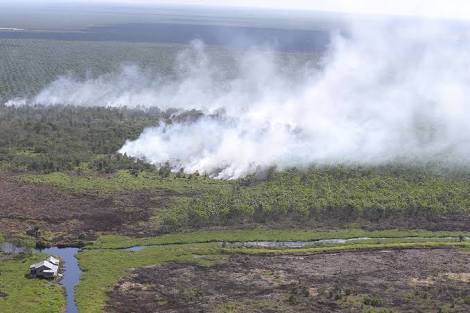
(20, 294)
(263, 234)
(367, 246)
(125, 181)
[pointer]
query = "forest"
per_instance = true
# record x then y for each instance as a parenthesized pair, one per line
(49, 144)
(61, 138)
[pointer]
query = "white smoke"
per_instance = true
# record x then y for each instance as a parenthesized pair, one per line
(398, 91)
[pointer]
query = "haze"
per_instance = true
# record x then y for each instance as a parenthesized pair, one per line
(456, 9)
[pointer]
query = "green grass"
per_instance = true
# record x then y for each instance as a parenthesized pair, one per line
(260, 234)
(102, 269)
(27, 295)
(123, 180)
(352, 247)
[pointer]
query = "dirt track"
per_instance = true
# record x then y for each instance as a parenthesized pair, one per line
(401, 281)
(75, 215)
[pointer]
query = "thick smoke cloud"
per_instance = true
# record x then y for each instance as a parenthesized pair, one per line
(394, 92)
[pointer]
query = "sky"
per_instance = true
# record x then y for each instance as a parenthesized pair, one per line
(454, 9)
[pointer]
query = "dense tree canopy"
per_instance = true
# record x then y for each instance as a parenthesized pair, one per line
(57, 138)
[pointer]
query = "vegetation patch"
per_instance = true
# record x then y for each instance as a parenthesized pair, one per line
(315, 198)
(395, 245)
(384, 197)
(125, 181)
(264, 234)
(20, 294)
(61, 138)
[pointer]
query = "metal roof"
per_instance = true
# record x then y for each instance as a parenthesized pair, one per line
(46, 264)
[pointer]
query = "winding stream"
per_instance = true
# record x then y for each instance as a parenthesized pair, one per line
(313, 243)
(308, 243)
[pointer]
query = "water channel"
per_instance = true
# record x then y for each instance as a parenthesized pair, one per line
(71, 270)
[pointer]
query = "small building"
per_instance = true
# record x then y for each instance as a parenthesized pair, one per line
(45, 269)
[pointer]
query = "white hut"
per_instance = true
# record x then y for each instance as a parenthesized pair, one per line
(45, 269)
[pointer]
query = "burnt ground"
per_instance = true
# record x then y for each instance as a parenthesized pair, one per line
(367, 281)
(75, 216)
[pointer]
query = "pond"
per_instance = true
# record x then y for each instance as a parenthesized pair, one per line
(134, 249)
(11, 248)
(296, 244)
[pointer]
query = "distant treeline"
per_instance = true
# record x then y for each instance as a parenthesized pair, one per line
(64, 138)
(240, 37)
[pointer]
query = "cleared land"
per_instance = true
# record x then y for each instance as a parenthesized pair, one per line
(366, 281)
(50, 215)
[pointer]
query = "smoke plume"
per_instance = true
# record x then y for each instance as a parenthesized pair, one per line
(397, 91)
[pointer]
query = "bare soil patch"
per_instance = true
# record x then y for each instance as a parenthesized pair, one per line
(415, 280)
(75, 216)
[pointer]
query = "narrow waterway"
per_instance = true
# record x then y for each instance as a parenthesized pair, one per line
(313, 243)
(71, 270)
(72, 273)
(310, 243)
